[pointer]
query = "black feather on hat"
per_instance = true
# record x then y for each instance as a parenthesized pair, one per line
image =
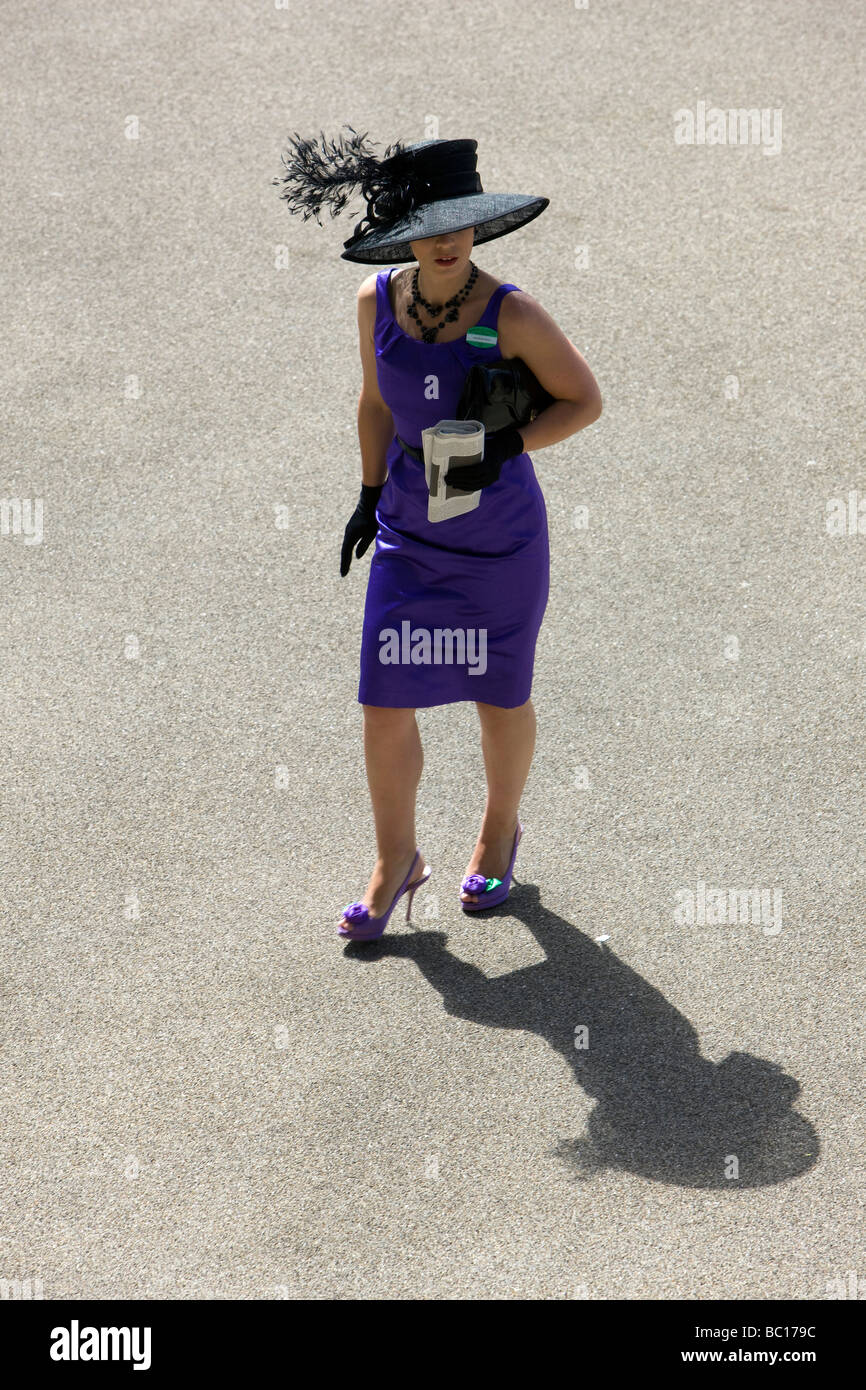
(328, 173)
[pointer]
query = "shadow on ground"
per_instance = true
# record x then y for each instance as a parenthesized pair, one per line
(663, 1111)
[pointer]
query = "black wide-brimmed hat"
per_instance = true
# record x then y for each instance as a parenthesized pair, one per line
(413, 191)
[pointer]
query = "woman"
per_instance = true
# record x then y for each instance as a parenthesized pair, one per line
(481, 577)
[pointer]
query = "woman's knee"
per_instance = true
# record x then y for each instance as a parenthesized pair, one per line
(386, 716)
(500, 712)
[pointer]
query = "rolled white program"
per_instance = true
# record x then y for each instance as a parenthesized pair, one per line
(450, 444)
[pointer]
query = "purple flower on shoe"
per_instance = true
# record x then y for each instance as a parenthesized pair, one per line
(475, 883)
(356, 912)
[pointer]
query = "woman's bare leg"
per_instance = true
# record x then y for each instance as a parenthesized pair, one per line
(394, 759)
(508, 745)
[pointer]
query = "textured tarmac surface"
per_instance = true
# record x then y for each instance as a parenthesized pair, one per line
(205, 1094)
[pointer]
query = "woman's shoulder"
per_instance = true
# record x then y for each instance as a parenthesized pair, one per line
(520, 315)
(518, 305)
(367, 287)
(368, 303)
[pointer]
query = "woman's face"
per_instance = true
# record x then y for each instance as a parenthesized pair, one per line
(444, 259)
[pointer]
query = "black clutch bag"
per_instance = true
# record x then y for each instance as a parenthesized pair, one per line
(502, 393)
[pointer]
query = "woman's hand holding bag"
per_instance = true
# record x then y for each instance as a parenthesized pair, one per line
(499, 446)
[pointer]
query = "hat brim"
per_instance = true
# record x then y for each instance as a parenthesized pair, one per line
(492, 214)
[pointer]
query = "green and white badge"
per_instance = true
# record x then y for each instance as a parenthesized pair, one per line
(482, 337)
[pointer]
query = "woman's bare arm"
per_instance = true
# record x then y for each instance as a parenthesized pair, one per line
(526, 330)
(375, 421)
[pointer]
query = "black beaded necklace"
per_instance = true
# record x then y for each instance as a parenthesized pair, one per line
(452, 305)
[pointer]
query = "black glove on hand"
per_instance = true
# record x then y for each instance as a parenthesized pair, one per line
(498, 446)
(362, 527)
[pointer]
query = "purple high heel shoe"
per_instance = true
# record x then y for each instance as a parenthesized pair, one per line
(366, 927)
(491, 890)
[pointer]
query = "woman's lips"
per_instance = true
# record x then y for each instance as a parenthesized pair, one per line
(445, 260)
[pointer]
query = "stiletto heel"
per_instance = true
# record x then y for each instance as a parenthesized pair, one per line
(491, 890)
(368, 927)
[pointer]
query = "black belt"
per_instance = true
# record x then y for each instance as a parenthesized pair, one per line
(410, 449)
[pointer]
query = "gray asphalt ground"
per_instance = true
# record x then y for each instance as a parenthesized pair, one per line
(205, 1093)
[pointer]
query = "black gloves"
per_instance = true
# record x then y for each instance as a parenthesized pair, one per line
(498, 446)
(362, 527)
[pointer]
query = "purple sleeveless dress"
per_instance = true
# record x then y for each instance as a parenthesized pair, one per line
(453, 608)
